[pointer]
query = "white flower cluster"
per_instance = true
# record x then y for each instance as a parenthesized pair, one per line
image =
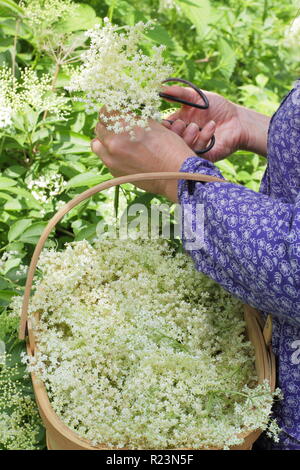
(139, 350)
(45, 188)
(6, 257)
(42, 14)
(31, 92)
(19, 418)
(11, 259)
(166, 5)
(117, 74)
(5, 111)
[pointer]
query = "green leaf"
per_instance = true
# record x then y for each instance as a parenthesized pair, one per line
(79, 122)
(5, 283)
(86, 179)
(6, 197)
(258, 174)
(160, 35)
(8, 26)
(71, 169)
(10, 264)
(255, 161)
(15, 171)
(12, 6)
(144, 198)
(198, 12)
(227, 59)
(18, 228)
(87, 233)
(71, 142)
(6, 296)
(32, 234)
(83, 18)
(261, 80)
(6, 182)
(31, 202)
(227, 167)
(14, 205)
(30, 117)
(254, 185)
(5, 44)
(244, 176)
(16, 246)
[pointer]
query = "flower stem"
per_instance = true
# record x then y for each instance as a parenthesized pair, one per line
(14, 52)
(116, 201)
(54, 80)
(111, 10)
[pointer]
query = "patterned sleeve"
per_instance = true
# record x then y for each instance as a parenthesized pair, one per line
(251, 242)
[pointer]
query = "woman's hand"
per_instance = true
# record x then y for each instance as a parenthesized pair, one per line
(234, 126)
(155, 150)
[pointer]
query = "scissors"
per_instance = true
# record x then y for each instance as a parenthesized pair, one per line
(189, 103)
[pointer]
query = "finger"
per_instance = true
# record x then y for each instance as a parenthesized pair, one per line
(190, 134)
(101, 131)
(105, 115)
(166, 123)
(175, 115)
(205, 136)
(99, 149)
(184, 93)
(178, 127)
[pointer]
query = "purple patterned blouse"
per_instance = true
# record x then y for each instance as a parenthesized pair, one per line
(252, 248)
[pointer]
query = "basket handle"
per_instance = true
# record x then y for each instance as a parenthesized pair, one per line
(82, 197)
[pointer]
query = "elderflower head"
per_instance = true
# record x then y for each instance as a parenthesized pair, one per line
(45, 188)
(20, 424)
(45, 19)
(30, 91)
(5, 112)
(137, 349)
(41, 15)
(39, 94)
(166, 5)
(117, 74)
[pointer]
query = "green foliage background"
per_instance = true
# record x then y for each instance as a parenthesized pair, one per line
(232, 47)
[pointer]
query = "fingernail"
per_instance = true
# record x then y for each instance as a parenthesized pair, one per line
(193, 127)
(192, 130)
(210, 126)
(93, 143)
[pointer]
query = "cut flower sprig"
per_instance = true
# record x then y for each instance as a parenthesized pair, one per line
(116, 73)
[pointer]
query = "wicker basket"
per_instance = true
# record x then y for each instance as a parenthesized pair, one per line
(59, 436)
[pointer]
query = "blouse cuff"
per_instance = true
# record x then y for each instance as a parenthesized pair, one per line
(196, 165)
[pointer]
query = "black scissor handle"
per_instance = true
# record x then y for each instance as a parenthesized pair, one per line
(189, 103)
(208, 148)
(179, 100)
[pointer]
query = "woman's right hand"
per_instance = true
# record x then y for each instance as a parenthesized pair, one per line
(223, 118)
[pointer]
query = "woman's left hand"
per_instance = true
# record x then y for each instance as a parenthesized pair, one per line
(158, 149)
